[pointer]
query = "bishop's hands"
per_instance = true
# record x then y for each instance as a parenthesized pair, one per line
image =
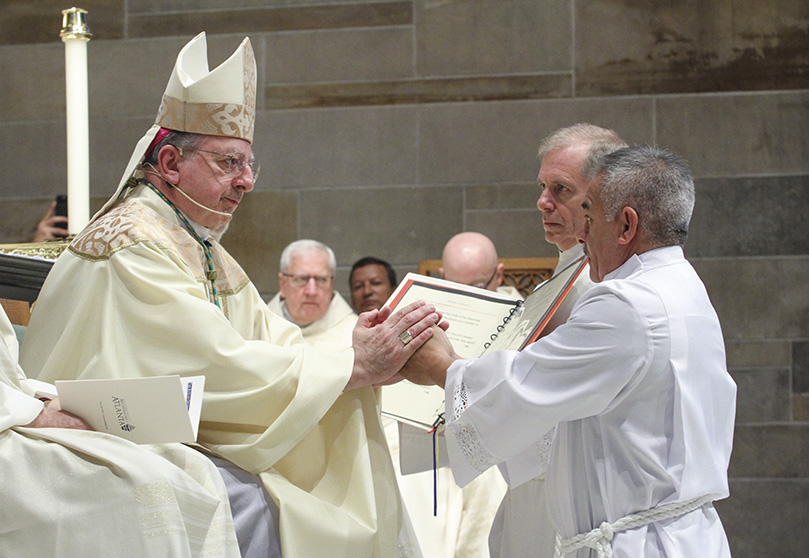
(428, 366)
(383, 342)
(52, 416)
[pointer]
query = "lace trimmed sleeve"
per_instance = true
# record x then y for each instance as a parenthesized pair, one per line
(474, 449)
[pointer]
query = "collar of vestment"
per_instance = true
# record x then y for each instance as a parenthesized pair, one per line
(210, 272)
(203, 232)
(637, 263)
(338, 311)
(141, 216)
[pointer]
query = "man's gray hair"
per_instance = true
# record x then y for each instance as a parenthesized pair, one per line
(657, 184)
(601, 140)
(304, 246)
(184, 141)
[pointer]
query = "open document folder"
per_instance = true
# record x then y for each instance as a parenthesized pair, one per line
(148, 410)
(480, 321)
(471, 312)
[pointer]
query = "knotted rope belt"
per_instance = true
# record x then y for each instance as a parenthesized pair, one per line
(600, 538)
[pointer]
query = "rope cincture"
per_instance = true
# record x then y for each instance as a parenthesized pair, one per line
(210, 273)
(600, 538)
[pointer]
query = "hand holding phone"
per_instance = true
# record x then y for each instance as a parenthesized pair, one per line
(61, 210)
(53, 224)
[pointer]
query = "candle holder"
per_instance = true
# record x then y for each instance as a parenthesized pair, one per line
(75, 35)
(74, 25)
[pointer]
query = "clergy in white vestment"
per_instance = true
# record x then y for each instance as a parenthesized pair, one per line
(147, 289)
(307, 297)
(567, 158)
(635, 381)
(70, 491)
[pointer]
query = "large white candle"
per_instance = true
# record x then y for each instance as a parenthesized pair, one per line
(75, 35)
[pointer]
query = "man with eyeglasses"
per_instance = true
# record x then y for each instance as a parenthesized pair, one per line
(471, 258)
(147, 290)
(307, 297)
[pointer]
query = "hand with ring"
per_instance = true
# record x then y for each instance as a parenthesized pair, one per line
(405, 337)
(383, 341)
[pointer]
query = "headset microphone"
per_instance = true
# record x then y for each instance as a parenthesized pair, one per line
(195, 202)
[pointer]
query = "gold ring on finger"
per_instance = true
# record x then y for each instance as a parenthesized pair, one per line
(405, 337)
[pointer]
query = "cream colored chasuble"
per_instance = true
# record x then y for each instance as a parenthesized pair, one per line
(130, 298)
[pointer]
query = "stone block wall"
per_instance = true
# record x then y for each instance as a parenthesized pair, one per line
(385, 127)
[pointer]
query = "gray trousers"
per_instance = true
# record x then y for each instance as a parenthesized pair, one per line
(255, 515)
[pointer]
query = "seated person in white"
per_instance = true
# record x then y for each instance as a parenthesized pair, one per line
(463, 519)
(307, 297)
(461, 524)
(147, 287)
(69, 491)
(307, 293)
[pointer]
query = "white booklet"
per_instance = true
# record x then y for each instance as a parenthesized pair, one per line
(149, 410)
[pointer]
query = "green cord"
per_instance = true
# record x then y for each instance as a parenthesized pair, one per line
(210, 274)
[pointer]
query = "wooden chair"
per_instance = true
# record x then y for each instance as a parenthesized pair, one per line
(521, 273)
(18, 311)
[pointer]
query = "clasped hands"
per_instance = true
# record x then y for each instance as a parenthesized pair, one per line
(385, 341)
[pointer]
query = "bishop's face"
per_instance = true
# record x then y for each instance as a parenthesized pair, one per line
(562, 188)
(216, 175)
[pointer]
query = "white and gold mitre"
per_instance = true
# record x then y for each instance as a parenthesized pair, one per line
(219, 102)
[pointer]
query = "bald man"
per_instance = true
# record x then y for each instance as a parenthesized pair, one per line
(470, 258)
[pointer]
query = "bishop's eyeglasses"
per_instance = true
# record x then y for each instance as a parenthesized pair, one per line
(232, 165)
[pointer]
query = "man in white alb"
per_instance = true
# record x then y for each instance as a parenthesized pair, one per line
(471, 258)
(307, 297)
(635, 379)
(567, 158)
